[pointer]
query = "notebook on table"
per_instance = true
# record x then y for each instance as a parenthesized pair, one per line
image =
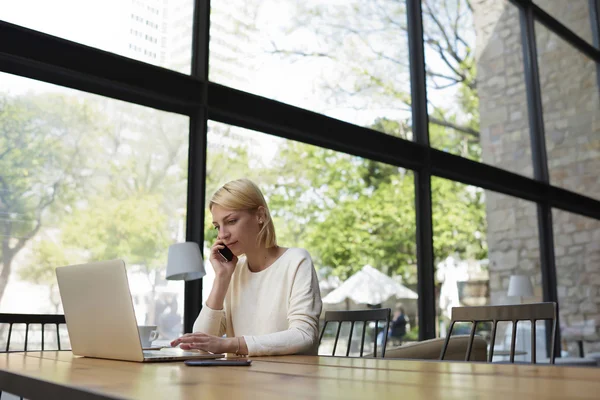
(100, 315)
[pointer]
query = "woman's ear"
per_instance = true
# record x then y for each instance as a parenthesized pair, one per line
(261, 215)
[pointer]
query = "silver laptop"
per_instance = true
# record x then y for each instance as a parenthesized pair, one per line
(100, 316)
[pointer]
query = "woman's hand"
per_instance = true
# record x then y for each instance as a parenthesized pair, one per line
(223, 269)
(202, 341)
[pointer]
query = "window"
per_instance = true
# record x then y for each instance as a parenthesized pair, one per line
(570, 102)
(345, 59)
(574, 14)
(86, 178)
(475, 82)
(577, 255)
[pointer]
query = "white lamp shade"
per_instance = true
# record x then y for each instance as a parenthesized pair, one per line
(520, 286)
(185, 262)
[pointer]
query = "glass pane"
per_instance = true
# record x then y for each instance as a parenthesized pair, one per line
(577, 253)
(345, 58)
(571, 114)
(153, 31)
(574, 14)
(481, 238)
(87, 178)
(352, 215)
(475, 82)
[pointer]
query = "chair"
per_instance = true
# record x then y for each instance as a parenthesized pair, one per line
(513, 313)
(29, 319)
(376, 315)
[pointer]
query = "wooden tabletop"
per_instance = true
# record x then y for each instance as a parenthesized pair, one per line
(57, 375)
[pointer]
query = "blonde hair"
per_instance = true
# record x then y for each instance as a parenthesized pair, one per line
(243, 194)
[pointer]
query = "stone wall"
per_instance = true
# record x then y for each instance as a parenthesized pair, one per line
(572, 126)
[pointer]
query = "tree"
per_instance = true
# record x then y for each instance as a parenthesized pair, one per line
(47, 255)
(363, 49)
(364, 45)
(133, 203)
(44, 140)
(131, 228)
(351, 211)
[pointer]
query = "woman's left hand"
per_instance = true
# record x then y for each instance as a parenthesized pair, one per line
(202, 341)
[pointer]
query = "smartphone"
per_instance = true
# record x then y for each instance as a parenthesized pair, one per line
(226, 253)
(212, 363)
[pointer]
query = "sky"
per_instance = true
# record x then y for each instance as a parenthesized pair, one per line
(94, 23)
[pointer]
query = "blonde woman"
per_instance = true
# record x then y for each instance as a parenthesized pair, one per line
(266, 300)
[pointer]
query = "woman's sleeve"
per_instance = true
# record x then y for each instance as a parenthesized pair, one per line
(304, 309)
(211, 322)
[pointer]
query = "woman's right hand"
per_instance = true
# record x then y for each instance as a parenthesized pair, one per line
(223, 268)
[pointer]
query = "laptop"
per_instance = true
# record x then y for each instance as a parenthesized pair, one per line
(100, 316)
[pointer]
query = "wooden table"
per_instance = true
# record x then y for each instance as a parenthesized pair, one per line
(60, 375)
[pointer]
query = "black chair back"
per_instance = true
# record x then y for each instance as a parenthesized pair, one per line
(376, 315)
(32, 319)
(514, 313)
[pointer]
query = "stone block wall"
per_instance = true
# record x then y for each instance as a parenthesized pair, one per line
(570, 97)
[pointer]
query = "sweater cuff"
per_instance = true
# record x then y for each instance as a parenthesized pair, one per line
(251, 345)
(209, 321)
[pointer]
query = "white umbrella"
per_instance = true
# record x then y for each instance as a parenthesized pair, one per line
(369, 286)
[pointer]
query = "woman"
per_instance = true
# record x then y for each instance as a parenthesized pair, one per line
(267, 301)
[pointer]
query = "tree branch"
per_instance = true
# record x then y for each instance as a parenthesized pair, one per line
(297, 53)
(447, 124)
(439, 75)
(25, 238)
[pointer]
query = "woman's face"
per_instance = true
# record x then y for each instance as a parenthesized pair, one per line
(237, 229)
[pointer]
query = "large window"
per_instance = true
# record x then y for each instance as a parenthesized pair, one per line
(86, 178)
(476, 82)
(571, 105)
(347, 59)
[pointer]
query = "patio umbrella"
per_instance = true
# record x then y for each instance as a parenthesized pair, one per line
(369, 286)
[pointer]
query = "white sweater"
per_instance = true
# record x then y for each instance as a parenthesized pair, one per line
(276, 310)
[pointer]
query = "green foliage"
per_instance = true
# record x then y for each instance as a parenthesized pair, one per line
(350, 212)
(133, 228)
(453, 141)
(44, 143)
(459, 222)
(130, 189)
(412, 335)
(41, 138)
(375, 229)
(47, 255)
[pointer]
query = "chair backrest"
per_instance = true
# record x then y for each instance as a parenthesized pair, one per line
(509, 313)
(31, 319)
(376, 315)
